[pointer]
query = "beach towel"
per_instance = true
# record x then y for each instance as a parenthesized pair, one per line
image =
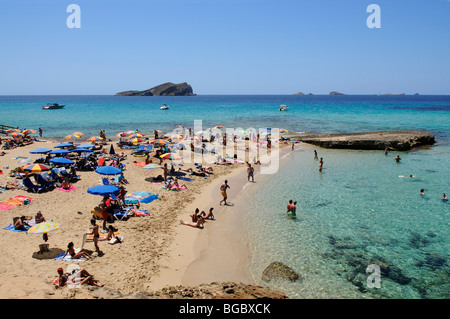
(22, 198)
(142, 164)
(6, 206)
(145, 197)
(11, 228)
(68, 257)
(187, 179)
(71, 188)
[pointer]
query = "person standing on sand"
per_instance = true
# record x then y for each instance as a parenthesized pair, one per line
(250, 172)
(96, 234)
(223, 190)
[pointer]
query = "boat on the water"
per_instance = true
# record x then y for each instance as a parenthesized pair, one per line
(283, 107)
(164, 107)
(53, 106)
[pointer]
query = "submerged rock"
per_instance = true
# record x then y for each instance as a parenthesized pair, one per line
(278, 270)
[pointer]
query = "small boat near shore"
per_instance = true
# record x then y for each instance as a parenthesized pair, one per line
(283, 107)
(164, 107)
(52, 106)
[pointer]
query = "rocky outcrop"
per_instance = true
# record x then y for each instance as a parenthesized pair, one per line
(336, 93)
(394, 140)
(278, 270)
(166, 89)
(299, 93)
(214, 290)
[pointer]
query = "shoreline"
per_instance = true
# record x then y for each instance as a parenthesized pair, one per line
(217, 253)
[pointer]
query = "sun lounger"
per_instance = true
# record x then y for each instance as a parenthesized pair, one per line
(30, 186)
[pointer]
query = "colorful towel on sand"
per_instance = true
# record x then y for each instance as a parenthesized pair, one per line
(141, 164)
(68, 257)
(11, 227)
(6, 206)
(15, 201)
(71, 188)
(145, 197)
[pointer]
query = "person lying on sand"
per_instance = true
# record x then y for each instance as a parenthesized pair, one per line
(198, 224)
(71, 252)
(210, 214)
(77, 277)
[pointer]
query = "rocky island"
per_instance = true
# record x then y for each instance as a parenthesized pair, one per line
(166, 89)
(394, 140)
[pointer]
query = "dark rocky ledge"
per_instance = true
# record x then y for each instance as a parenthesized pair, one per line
(394, 140)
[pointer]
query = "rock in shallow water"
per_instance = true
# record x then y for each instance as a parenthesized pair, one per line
(278, 270)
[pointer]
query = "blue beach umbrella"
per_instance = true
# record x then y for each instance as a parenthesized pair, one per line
(61, 161)
(103, 190)
(81, 150)
(41, 150)
(63, 145)
(85, 146)
(59, 152)
(108, 170)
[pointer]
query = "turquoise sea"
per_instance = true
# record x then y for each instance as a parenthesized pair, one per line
(358, 211)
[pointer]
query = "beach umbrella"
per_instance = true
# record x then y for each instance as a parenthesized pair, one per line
(152, 166)
(27, 131)
(159, 141)
(43, 227)
(63, 145)
(218, 126)
(12, 129)
(111, 150)
(108, 170)
(72, 136)
(103, 190)
(59, 152)
(136, 135)
(123, 134)
(171, 156)
(61, 161)
(78, 134)
(180, 146)
(282, 130)
(135, 140)
(94, 139)
(35, 168)
(41, 150)
(79, 150)
(86, 146)
(16, 134)
(176, 137)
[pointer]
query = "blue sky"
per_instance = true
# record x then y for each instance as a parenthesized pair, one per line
(225, 47)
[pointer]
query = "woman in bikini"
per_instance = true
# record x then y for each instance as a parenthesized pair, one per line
(73, 254)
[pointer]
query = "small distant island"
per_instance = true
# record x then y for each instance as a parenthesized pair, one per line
(165, 89)
(336, 93)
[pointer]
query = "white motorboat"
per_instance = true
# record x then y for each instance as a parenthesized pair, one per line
(164, 107)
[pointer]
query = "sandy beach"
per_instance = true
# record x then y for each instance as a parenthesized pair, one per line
(157, 250)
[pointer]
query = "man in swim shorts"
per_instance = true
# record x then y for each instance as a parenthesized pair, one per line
(223, 190)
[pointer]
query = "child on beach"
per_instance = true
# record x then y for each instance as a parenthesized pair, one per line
(96, 234)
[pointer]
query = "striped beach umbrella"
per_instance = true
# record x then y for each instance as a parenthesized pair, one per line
(218, 126)
(28, 131)
(135, 140)
(123, 134)
(171, 156)
(78, 134)
(94, 139)
(43, 227)
(282, 130)
(35, 168)
(159, 141)
(68, 137)
(136, 135)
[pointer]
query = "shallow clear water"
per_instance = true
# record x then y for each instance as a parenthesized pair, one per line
(357, 211)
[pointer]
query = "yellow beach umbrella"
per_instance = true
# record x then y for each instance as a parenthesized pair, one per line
(94, 139)
(72, 136)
